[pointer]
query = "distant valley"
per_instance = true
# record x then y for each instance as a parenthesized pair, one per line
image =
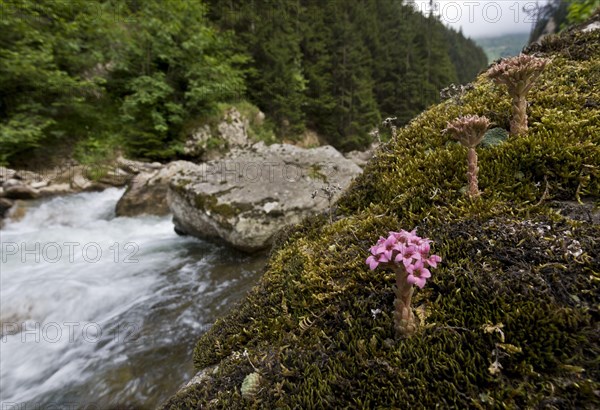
(503, 46)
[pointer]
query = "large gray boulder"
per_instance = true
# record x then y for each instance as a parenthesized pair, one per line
(246, 197)
(147, 192)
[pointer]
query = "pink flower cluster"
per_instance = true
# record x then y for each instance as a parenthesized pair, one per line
(406, 249)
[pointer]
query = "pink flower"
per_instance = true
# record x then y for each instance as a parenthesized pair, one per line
(433, 261)
(415, 240)
(382, 251)
(408, 250)
(405, 237)
(389, 244)
(385, 246)
(372, 262)
(383, 258)
(408, 254)
(417, 274)
(424, 248)
(375, 248)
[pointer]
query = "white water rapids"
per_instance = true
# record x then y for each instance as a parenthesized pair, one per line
(99, 311)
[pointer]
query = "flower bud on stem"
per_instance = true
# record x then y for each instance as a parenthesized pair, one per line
(518, 74)
(469, 131)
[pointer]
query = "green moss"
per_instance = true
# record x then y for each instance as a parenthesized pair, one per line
(575, 45)
(180, 186)
(214, 143)
(510, 258)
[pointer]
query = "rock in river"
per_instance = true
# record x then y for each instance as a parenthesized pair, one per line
(20, 191)
(246, 197)
(147, 192)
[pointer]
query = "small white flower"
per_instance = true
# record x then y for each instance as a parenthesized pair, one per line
(375, 312)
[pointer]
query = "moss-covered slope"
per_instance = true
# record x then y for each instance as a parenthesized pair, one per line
(513, 259)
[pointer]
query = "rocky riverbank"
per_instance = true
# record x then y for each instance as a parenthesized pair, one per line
(70, 178)
(231, 187)
(242, 198)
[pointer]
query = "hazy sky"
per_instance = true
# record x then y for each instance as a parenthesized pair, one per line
(484, 18)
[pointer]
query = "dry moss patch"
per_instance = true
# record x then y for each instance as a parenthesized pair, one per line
(518, 286)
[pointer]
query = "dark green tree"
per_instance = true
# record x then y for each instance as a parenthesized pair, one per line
(270, 32)
(110, 73)
(47, 76)
(467, 58)
(137, 75)
(174, 68)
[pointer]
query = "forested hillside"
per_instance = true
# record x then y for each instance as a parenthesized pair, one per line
(89, 79)
(339, 67)
(107, 75)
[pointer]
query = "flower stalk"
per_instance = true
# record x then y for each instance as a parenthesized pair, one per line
(404, 319)
(472, 172)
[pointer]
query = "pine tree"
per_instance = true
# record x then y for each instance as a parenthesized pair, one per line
(357, 112)
(317, 38)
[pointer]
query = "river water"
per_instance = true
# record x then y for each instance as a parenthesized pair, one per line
(99, 311)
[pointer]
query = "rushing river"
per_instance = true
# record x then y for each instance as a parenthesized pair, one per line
(99, 311)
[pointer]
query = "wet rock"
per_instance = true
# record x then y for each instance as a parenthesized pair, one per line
(361, 158)
(5, 205)
(55, 189)
(135, 167)
(234, 128)
(38, 184)
(245, 198)
(12, 182)
(209, 144)
(259, 118)
(147, 192)
(28, 176)
(6, 174)
(20, 192)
